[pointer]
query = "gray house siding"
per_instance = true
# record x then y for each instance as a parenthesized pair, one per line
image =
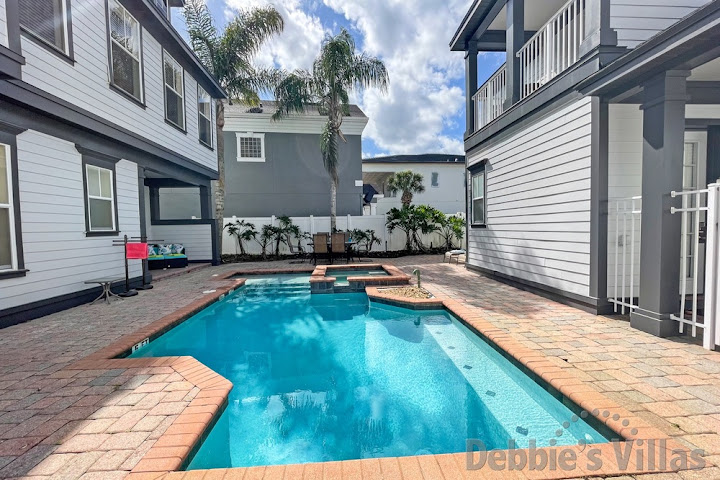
(292, 180)
(538, 202)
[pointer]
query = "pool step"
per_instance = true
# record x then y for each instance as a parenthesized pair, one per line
(265, 290)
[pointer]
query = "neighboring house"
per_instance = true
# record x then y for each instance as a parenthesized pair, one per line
(598, 100)
(443, 178)
(276, 168)
(102, 105)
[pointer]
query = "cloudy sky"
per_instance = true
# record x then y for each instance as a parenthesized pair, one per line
(423, 112)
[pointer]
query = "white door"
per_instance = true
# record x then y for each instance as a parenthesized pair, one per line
(694, 173)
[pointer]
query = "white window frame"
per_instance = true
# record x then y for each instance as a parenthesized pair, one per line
(89, 197)
(474, 174)
(181, 93)
(437, 179)
(66, 31)
(139, 57)
(261, 136)
(209, 119)
(10, 206)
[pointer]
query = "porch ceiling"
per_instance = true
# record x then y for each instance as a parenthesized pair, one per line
(536, 14)
(708, 72)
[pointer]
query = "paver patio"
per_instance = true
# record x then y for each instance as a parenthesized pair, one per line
(61, 422)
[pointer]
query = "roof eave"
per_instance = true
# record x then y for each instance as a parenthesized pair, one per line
(470, 23)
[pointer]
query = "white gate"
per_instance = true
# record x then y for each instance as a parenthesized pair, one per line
(624, 214)
(699, 312)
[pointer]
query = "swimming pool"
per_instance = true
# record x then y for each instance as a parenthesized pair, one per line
(341, 276)
(336, 377)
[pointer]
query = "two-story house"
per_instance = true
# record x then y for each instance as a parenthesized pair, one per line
(574, 146)
(102, 105)
(443, 179)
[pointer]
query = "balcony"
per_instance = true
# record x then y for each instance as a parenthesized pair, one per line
(554, 48)
(489, 100)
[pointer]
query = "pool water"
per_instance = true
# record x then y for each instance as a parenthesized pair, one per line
(341, 276)
(336, 377)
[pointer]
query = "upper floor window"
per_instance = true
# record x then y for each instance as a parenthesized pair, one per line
(204, 117)
(8, 248)
(434, 179)
(174, 91)
(251, 147)
(125, 53)
(46, 20)
(100, 190)
(477, 206)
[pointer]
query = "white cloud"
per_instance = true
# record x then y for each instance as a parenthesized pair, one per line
(412, 39)
(299, 43)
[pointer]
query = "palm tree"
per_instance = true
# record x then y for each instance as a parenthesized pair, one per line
(228, 56)
(336, 72)
(407, 182)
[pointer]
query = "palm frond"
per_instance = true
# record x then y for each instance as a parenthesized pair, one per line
(247, 32)
(203, 34)
(293, 93)
(368, 72)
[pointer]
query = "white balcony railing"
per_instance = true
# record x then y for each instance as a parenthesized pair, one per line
(554, 48)
(490, 98)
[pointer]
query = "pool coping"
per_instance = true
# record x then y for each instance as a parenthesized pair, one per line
(175, 448)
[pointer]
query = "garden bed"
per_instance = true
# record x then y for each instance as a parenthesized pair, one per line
(407, 292)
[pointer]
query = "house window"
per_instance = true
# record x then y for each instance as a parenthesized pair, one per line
(174, 92)
(125, 55)
(477, 206)
(204, 117)
(46, 20)
(8, 248)
(251, 147)
(434, 179)
(100, 189)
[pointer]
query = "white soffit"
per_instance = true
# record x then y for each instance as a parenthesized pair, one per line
(262, 122)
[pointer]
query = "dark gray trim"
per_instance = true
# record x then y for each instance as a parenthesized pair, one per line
(477, 20)
(192, 221)
(471, 86)
(183, 129)
(713, 153)
(12, 17)
(69, 56)
(496, 40)
(166, 183)
(598, 200)
(8, 136)
(57, 115)
(13, 273)
(10, 63)
(581, 302)
(30, 311)
(154, 204)
(101, 160)
(111, 83)
(473, 170)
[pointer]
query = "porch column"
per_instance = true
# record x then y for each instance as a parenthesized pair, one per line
(471, 86)
(713, 154)
(154, 203)
(142, 216)
(206, 209)
(662, 170)
(597, 27)
(515, 39)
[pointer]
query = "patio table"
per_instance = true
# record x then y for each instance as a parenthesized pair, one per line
(348, 247)
(106, 283)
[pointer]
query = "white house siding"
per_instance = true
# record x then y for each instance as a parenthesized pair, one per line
(538, 202)
(625, 143)
(448, 196)
(58, 254)
(3, 25)
(197, 239)
(86, 84)
(637, 20)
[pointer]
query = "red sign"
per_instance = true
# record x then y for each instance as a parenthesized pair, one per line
(137, 251)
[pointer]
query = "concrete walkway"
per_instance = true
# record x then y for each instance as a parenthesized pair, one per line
(98, 424)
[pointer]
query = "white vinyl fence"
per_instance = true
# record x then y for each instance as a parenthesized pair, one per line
(312, 224)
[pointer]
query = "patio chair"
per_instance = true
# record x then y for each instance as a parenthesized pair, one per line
(337, 246)
(320, 247)
(296, 250)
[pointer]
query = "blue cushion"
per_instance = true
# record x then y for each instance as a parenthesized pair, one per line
(174, 256)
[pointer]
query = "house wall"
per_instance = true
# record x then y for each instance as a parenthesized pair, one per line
(3, 25)
(637, 20)
(85, 83)
(197, 239)
(538, 202)
(57, 253)
(448, 196)
(292, 180)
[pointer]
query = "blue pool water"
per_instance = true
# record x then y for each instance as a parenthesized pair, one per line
(336, 377)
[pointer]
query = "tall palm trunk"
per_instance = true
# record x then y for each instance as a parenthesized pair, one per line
(220, 183)
(406, 198)
(333, 205)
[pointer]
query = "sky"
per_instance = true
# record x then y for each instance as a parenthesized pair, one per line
(423, 110)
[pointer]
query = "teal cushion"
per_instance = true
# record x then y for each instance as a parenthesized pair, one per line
(155, 257)
(176, 256)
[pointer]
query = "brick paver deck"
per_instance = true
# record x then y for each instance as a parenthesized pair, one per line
(63, 419)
